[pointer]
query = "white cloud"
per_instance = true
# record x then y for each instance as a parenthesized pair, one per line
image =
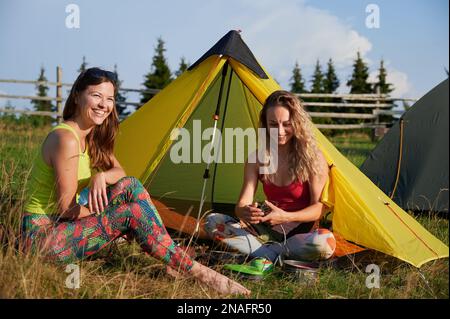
(295, 31)
(400, 81)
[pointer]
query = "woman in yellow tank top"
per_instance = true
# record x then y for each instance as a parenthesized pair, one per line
(79, 153)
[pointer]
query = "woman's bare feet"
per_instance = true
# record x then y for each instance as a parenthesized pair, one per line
(219, 282)
(175, 274)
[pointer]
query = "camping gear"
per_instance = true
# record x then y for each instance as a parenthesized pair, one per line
(301, 269)
(256, 269)
(362, 214)
(410, 164)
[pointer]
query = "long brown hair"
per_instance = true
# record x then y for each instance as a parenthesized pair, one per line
(303, 150)
(101, 139)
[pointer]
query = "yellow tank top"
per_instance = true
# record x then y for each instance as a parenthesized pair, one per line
(41, 188)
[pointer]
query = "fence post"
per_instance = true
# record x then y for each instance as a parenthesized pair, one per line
(377, 115)
(59, 93)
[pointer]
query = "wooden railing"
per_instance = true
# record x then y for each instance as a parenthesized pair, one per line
(379, 104)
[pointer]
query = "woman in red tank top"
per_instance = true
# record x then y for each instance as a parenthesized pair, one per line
(293, 188)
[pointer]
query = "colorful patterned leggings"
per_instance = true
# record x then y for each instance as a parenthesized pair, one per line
(130, 211)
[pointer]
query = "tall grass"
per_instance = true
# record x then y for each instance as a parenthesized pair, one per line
(123, 271)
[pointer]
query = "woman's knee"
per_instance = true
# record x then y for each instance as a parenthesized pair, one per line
(126, 184)
(129, 181)
(214, 219)
(326, 243)
(217, 221)
(317, 245)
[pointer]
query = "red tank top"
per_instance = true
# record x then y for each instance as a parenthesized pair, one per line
(290, 198)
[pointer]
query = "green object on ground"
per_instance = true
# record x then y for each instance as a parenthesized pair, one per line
(255, 269)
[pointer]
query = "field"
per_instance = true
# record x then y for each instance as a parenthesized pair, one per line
(124, 272)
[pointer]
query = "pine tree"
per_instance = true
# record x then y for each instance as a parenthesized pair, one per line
(40, 105)
(330, 85)
(358, 82)
(317, 79)
(182, 67)
(297, 84)
(331, 81)
(159, 75)
(382, 87)
(317, 87)
(381, 84)
(83, 65)
(120, 98)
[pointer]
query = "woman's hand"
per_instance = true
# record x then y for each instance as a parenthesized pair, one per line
(98, 198)
(251, 214)
(276, 216)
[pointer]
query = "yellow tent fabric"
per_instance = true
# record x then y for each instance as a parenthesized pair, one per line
(147, 131)
(362, 213)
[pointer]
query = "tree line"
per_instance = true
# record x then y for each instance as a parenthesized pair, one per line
(160, 75)
(327, 82)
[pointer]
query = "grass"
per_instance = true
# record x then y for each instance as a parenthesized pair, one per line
(124, 272)
(356, 147)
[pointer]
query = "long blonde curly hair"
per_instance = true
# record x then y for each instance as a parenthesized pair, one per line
(303, 150)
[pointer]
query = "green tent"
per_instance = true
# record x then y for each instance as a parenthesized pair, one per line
(410, 164)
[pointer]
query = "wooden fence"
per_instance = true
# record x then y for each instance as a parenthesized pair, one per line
(379, 104)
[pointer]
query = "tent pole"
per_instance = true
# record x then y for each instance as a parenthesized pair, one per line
(399, 161)
(206, 173)
(221, 130)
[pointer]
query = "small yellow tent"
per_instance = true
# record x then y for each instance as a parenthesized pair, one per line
(361, 212)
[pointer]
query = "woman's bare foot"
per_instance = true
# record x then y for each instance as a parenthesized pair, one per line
(175, 274)
(219, 282)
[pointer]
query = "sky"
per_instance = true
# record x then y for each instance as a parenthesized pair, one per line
(412, 37)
